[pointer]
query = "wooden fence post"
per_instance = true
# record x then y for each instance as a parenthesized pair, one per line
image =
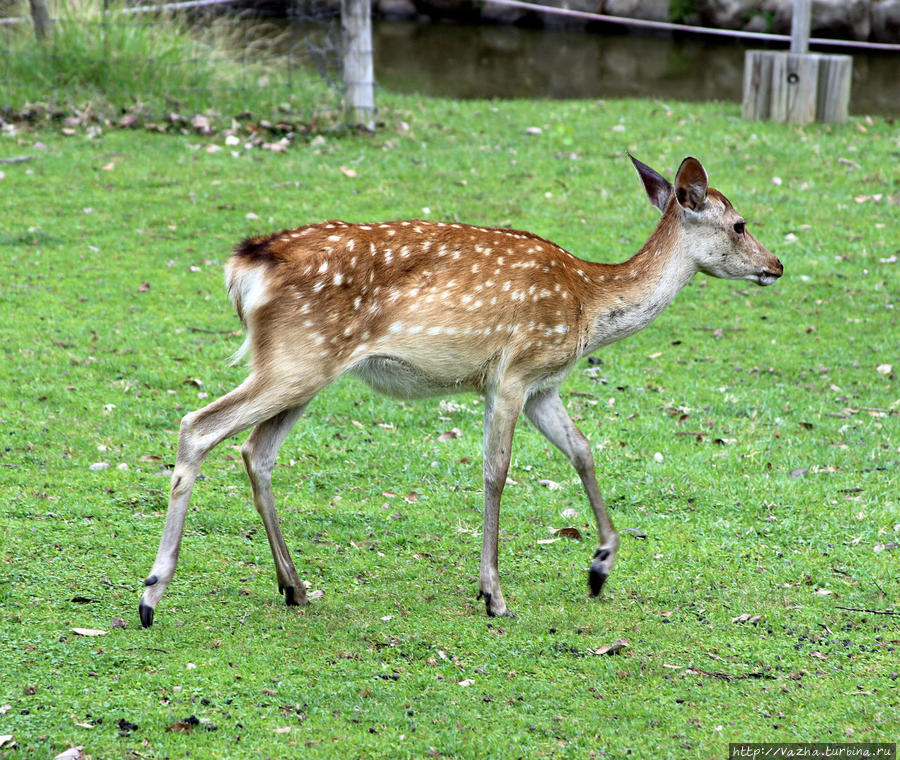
(800, 21)
(40, 18)
(796, 87)
(359, 70)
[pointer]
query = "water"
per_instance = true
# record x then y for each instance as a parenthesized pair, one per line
(462, 61)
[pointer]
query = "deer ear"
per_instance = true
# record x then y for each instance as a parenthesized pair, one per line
(691, 184)
(658, 188)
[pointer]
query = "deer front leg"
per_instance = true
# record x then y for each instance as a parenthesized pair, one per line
(259, 452)
(501, 413)
(548, 414)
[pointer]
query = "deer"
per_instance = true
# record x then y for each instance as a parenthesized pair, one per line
(423, 308)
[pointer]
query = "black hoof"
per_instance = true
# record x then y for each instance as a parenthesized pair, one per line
(146, 615)
(596, 578)
(151, 581)
(289, 598)
(487, 605)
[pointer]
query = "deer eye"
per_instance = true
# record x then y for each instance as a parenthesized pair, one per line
(739, 228)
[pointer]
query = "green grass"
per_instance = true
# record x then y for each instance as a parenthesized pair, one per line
(776, 494)
(100, 64)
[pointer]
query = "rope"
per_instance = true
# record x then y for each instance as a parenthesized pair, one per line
(587, 16)
(671, 27)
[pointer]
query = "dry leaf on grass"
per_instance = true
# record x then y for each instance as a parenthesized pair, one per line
(568, 533)
(186, 726)
(89, 632)
(613, 648)
(73, 753)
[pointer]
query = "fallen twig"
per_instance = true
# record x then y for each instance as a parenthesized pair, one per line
(16, 160)
(209, 332)
(864, 609)
(726, 676)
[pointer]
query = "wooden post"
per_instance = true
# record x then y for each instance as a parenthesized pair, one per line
(796, 87)
(835, 73)
(359, 70)
(40, 18)
(800, 27)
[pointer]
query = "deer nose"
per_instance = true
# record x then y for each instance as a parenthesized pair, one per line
(774, 269)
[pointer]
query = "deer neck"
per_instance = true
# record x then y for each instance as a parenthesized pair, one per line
(627, 297)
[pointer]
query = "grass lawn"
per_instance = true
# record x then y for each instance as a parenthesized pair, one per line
(747, 443)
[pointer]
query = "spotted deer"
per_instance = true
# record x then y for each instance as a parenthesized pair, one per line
(423, 308)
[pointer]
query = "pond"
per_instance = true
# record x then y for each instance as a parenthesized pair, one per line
(464, 61)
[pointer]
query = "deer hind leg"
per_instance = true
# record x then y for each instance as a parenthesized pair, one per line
(255, 400)
(548, 414)
(259, 452)
(501, 412)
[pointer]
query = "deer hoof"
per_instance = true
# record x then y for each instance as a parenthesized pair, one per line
(599, 572)
(596, 578)
(146, 612)
(289, 597)
(487, 596)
